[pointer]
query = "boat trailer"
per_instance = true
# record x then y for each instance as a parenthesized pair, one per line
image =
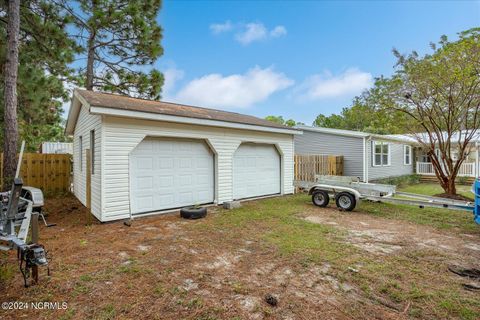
(348, 191)
(19, 210)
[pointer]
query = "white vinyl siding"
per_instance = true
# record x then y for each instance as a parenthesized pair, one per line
(122, 135)
(80, 153)
(381, 153)
(85, 123)
(407, 155)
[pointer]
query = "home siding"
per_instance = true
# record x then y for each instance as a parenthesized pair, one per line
(396, 167)
(85, 123)
(122, 135)
(351, 148)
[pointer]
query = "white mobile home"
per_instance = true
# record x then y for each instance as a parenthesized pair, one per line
(139, 157)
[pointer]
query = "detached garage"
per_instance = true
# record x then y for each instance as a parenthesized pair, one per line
(139, 157)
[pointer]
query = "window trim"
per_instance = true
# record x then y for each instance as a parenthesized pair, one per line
(389, 154)
(92, 151)
(409, 148)
(80, 152)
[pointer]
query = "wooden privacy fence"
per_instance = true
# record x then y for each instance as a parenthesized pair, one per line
(307, 166)
(49, 172)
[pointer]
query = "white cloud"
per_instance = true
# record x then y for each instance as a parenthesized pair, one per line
(233, 91)
(172, 76)
(249, 32)
(321, 86)
(252, 32)
(278, 31)
(217, 28)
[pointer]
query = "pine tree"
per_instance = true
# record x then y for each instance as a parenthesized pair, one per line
(45, 51)
(120, 38)
(10, 95)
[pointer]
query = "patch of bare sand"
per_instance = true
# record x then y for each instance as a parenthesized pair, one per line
(386, 236)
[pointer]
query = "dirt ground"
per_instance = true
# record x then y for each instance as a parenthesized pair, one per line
(164, 267)
(386, 237)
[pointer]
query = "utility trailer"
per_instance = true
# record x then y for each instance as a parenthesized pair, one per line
(348, 191)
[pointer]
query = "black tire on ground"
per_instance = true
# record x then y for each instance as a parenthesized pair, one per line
(193, 213)
(345, 201)
(320, 198)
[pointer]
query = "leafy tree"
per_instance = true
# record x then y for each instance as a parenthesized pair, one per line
(42, 70)
(280, 120)
(119, 39)
(440, 94)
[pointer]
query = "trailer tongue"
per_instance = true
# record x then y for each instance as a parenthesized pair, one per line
(348, 191)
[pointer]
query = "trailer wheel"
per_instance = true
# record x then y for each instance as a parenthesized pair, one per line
(345, 201)
(320, 198)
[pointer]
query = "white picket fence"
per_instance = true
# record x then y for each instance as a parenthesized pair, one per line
(467, 169)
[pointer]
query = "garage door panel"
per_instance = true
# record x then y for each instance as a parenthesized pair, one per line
(165, 181)
(165, 163)
(145, 163)
(186, 163)
(170, 173)
(186, 197)
(145, 183)
(145, 202)
(185, 180)
(256, 171)
(165, 200)
(203, 163)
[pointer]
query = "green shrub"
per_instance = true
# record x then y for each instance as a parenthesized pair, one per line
(462, 180)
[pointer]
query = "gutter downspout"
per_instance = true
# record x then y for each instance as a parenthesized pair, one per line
(363, 162)
(366, 155)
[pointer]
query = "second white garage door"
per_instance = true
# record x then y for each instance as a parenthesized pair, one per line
(256, 171)
(170, 173)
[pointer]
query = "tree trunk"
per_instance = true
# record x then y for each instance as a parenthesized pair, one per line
(10, 95)
(91, 54)
(90, 61)
(451, 188)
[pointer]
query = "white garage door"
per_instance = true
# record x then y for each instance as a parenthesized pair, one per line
(256, 171)
(170, 173)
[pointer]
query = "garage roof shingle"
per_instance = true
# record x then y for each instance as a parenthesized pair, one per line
(115, 101)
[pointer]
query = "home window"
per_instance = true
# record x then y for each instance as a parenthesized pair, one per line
(92, 149)
(381, 153)
(80, 152)
(407, 155)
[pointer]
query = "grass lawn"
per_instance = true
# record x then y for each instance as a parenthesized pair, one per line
(431, 189)
(378, 262)
(414, 277)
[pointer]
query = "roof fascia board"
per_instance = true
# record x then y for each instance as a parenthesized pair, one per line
(185, 120)
(335, 132)
(77, 102)
(392, 139)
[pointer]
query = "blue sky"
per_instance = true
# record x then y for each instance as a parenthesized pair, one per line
(293, 58)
